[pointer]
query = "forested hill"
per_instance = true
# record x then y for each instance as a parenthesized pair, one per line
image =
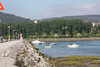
(4, 17)
(88, 18)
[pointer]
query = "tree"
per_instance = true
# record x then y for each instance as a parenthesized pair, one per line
(44, 35)
(63, 28)
(67, 35)
(85, 34)
(51, 34)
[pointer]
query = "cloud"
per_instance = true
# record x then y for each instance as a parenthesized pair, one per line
(69, 10)
(88, 9)
(58, 11)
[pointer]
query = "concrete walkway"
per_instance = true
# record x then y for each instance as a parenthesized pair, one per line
(7, 62)
(6, 57)
(7, 45)
(9, 51)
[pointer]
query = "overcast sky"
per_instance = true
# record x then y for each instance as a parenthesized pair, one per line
(40, 9)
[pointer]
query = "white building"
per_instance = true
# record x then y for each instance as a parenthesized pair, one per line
(95, 24)
(35, 21)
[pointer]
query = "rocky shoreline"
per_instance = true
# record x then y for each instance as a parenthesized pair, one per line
(21, 54)
(30, 57)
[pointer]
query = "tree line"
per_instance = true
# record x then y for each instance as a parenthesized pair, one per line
(58, 28)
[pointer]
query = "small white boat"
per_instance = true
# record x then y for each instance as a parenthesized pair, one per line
(53, 44)
(37, 42)
(47, 47)
(73, 46)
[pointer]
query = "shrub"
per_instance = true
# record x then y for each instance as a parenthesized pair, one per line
(79, 35)
(56, 35)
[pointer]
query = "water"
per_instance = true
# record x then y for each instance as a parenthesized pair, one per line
(86, 48)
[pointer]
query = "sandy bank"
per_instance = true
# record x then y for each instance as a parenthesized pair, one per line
(65, 39)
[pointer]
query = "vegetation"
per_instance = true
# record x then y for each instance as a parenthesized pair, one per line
(90, 18)
(77, 61)
(70, 63)
(4, 17)
(82, 58)
(94, 66)
(95, 62)
(51, 29)
(20, 63)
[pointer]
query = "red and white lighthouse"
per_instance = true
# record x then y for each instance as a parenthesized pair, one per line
(21, 37)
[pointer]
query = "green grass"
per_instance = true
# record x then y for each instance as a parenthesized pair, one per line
(94, 66)
(82, 58)
(71, 63)
(77, 61)
(95, 62)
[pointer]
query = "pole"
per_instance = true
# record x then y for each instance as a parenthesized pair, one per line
(9, 33)
(0, 33)
(13, 34)
(16, 35)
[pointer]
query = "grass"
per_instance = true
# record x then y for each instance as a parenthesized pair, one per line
(82, 58)
(94, 66)
(95, 62)
(77, 61)
(20, 63)
(71, 63)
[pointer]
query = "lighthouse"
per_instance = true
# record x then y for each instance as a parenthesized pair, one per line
(21, 37)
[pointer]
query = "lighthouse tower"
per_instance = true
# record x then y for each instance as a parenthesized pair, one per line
(21, 37)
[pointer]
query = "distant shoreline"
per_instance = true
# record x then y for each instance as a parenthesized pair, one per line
(65, 39)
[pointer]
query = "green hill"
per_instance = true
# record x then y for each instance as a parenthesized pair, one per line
(4, 17)
(90, 18)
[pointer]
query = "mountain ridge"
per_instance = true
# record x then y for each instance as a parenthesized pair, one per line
(87, 18)
(5, 17)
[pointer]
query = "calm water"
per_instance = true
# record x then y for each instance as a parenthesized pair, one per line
(87, 48)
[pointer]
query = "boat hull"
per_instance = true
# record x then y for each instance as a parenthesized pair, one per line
(53, 44)
(47, 47)
(36, 42)
(73, 46)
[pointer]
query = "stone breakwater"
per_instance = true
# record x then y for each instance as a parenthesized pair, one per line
(20, 54)
(30, 56)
